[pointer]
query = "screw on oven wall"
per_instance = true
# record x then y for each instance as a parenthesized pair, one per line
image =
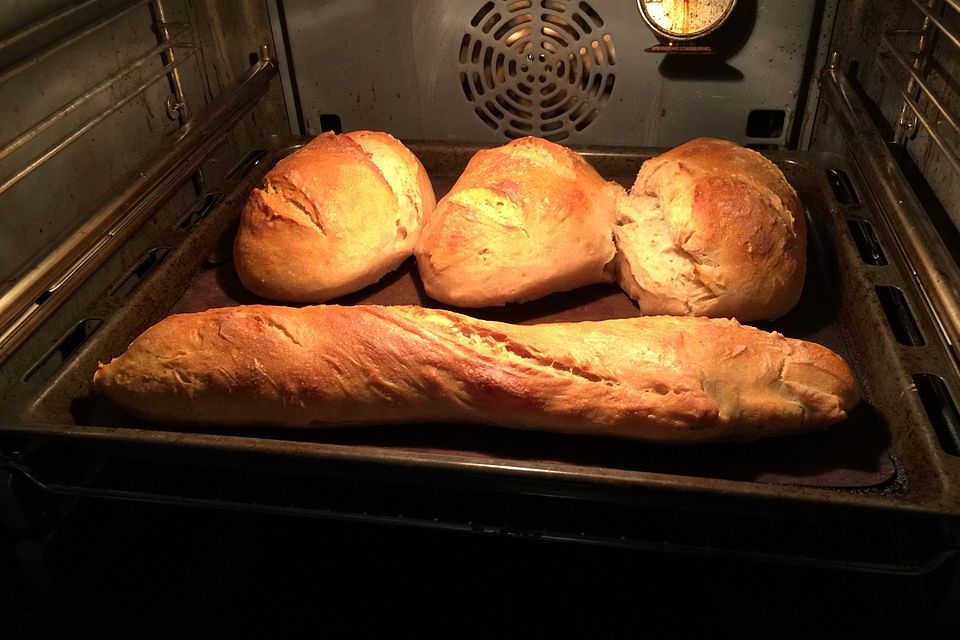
(174, 107)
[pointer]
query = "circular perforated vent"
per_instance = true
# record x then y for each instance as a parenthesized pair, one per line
(537, 67)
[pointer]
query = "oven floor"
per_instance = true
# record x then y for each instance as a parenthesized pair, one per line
(134, 570)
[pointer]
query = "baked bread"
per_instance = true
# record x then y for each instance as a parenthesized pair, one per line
(523, 220)
(711, 229)
(661, 379)
(332, 218)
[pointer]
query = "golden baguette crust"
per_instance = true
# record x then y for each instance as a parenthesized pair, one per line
(523, 220)
(661, 379)
(332, 218)
(713, 229)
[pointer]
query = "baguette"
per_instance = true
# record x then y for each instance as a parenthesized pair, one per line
(659, 379)
(332, 218)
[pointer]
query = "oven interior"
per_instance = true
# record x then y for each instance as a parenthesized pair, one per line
(135, 129)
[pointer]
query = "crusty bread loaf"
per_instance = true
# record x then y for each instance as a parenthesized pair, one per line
(332, 218)
(711, 229)
(663, 379)
(524, 220)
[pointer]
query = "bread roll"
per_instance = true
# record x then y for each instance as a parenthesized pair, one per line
(711, 229)
(332, 218)
(660, 379)
(524, 220)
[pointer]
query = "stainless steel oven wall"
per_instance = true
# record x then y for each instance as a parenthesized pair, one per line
(41, 78)
(864, 34)
(101, 63)
(484, 70)
(43, 206)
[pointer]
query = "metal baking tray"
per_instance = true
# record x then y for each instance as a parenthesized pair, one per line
(886, 456)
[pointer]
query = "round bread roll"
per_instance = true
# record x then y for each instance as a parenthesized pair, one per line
(524, 220)
(332, 218)
(711, 229)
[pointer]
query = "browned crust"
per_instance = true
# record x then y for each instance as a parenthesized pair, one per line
(324, 222)
(523, 220)
(427, 200)
(663, 379)
(733, 213)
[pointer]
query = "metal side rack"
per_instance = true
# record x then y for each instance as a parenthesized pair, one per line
(38, 292)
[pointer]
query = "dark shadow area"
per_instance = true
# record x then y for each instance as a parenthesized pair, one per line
(876, 115)
(938, 214)
(698, 67)
(125, 570)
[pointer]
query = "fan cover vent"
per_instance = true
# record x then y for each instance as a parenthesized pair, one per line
(537, 67)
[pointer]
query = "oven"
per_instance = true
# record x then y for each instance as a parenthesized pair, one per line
(135, 130)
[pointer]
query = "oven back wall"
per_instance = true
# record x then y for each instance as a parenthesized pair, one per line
(487, 70)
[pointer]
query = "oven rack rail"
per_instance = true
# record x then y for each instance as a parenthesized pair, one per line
(48, 283)
(165, 48)
(891, 56)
